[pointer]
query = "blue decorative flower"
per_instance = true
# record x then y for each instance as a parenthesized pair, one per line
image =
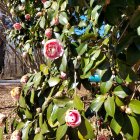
(78, 31)
(94, 78)
(84, 18)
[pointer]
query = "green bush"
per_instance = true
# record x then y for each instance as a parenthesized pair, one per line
(100, 51)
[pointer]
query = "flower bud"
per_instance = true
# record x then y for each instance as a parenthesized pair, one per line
(16, 135)
(37, 130)
(17, 26)
(102, 137)
(38, 110)
(43, 1)
(39, 14)
(123, 108)
(15, 93)
(2, 119)
(63, 75)
(68, 26)
(27, 16)
(48, 33)
(78, 57)
(55, 21)
(24, 79)
(128, 110)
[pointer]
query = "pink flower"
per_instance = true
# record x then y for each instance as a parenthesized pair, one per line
(102, 137)
(55, 21)
(43, 1)
(48, 33)
(27, 16)
(15, 93)
(16, 135)
(62, 75)
(17, 26)
(2, 119)
(24, 79)
(53, 49)
(73, 118)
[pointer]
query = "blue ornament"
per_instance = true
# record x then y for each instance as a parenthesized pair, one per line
(94, 78)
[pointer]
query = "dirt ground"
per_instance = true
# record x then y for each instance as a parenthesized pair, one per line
(6, 102)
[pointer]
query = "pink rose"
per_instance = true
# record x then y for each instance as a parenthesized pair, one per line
(102, 137)
(53, 49)
(17, 26)
(16, 135)
(24, 79)
(43, 1)
(55, 21)
(73, 118)
(48, 33)
(2, 119)
(27, 16)
(63, 75)
(15, 93)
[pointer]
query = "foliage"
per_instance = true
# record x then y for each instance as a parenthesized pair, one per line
(100, 38)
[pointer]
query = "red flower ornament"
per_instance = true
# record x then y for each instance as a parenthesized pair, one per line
(53, 49)
(73, 118)
(17, 26)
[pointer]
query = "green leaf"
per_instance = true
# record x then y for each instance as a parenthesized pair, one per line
(135, 106)
(53, 81)
(1, 133)
(44, 128)
(42, 22)
(135, 19)
(81, 49)
(125, 42)
(28, 114)
(37, 79)
(20, 125)
(131, 52)
(86, 129)
(63, 102)
(112, 15)
(91, 2)
(63, 19)
(138, 31)
(135, 128)
(61, 131)
(44, 69)
(118, 102)
(61, 115)
(40, 119)
(63, 6)
(25, 130)
(110, 106)
(38, 137)
(97, 103)
(22, 101)
(32, 96)
(115, 126)
(63, 65)
(118, 91)
(105, 86)
(78, 104)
